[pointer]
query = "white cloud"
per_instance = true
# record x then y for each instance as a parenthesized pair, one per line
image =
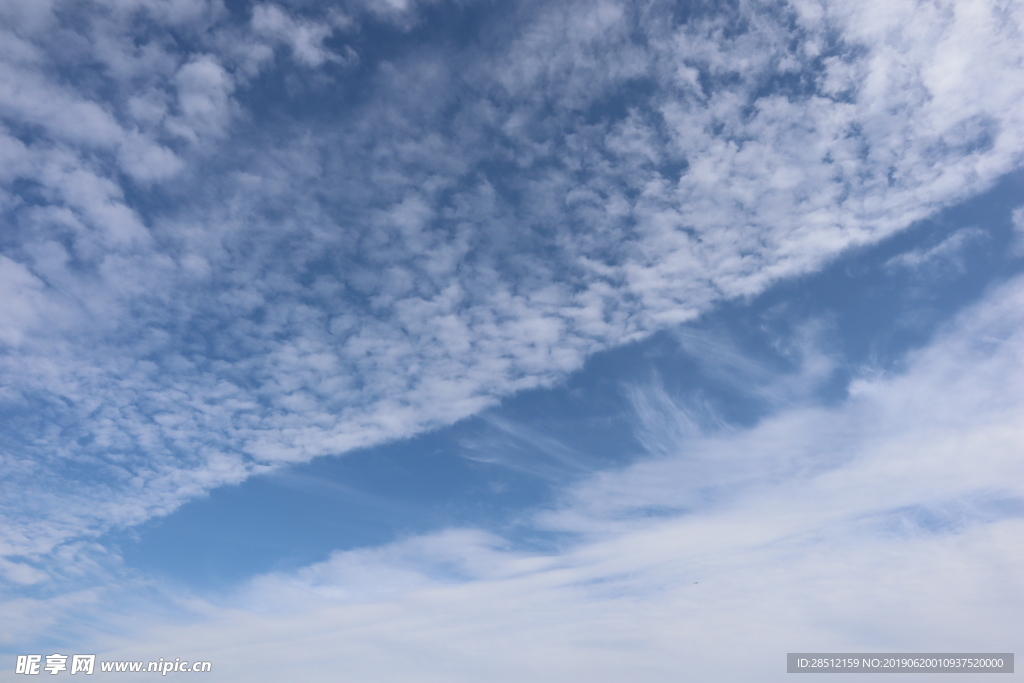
(475, 226)
(145, 161)
(204, 97)
(304, 37)
(945, 253)
(942, 432)
(1017, 243)
(23, 295)
(402, 14)
(887, 523)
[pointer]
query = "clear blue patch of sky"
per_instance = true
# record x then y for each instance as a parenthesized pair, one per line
(491, 470)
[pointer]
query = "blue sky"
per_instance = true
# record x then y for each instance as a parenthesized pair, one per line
(461, 340)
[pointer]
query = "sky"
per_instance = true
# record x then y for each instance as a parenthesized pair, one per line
(463, 340)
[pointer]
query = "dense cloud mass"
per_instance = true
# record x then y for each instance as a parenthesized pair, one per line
(236, 239)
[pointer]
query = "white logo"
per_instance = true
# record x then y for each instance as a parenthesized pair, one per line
(55, 663)
(28, 664)
(83, 664)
